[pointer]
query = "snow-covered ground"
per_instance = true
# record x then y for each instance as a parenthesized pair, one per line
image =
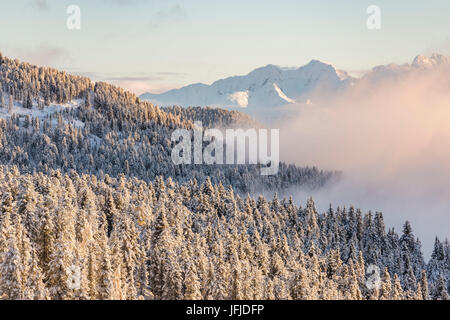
(22, 112)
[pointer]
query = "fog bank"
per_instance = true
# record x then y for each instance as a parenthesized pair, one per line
(391, 139)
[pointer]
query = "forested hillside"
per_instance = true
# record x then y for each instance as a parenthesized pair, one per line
(92, 207)
(113, 132)
(214, 117)
(127, 239)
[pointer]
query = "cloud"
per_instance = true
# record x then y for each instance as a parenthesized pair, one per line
(152, 82)
(143, 76)
(174, 74)
(124, 2)
(140, 87)
(43, 55)
(40, 4)
(155, 82)
(390, 139)
(128, 78)
(162, 17)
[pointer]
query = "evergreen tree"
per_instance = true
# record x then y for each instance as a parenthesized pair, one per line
(10, 104)
(397, 292)
(192, 284)
(2, 100)
(424, 286)
(11, 272)
(386, 286)
(105, 275)
(28, 103)
(35, 286)
(440, 291)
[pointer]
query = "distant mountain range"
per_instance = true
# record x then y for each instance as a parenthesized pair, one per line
(260, 92)
(268, 86)
(419, 63)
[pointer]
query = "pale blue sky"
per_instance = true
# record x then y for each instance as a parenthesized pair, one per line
(157, 45)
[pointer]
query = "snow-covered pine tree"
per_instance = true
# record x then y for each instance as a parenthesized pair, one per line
(2, 100)
(11, 270)
(440, 290)
(386, 286)
(105, 271)
(397, 292)
(424, 294)
(10, 104)
(192, 284)
(35, 286)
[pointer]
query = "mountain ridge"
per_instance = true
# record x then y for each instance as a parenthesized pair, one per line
(271, 87)
(266, 86)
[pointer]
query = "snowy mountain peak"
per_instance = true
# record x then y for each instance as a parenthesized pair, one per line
(427, 62)
(270, 69)
(266, 87)
(317, 63)
(320, 66)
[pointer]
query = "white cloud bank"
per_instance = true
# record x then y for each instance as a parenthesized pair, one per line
(391, 138)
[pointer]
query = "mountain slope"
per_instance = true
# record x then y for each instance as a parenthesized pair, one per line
(175, 241)
(269, 86)
(67, 123)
